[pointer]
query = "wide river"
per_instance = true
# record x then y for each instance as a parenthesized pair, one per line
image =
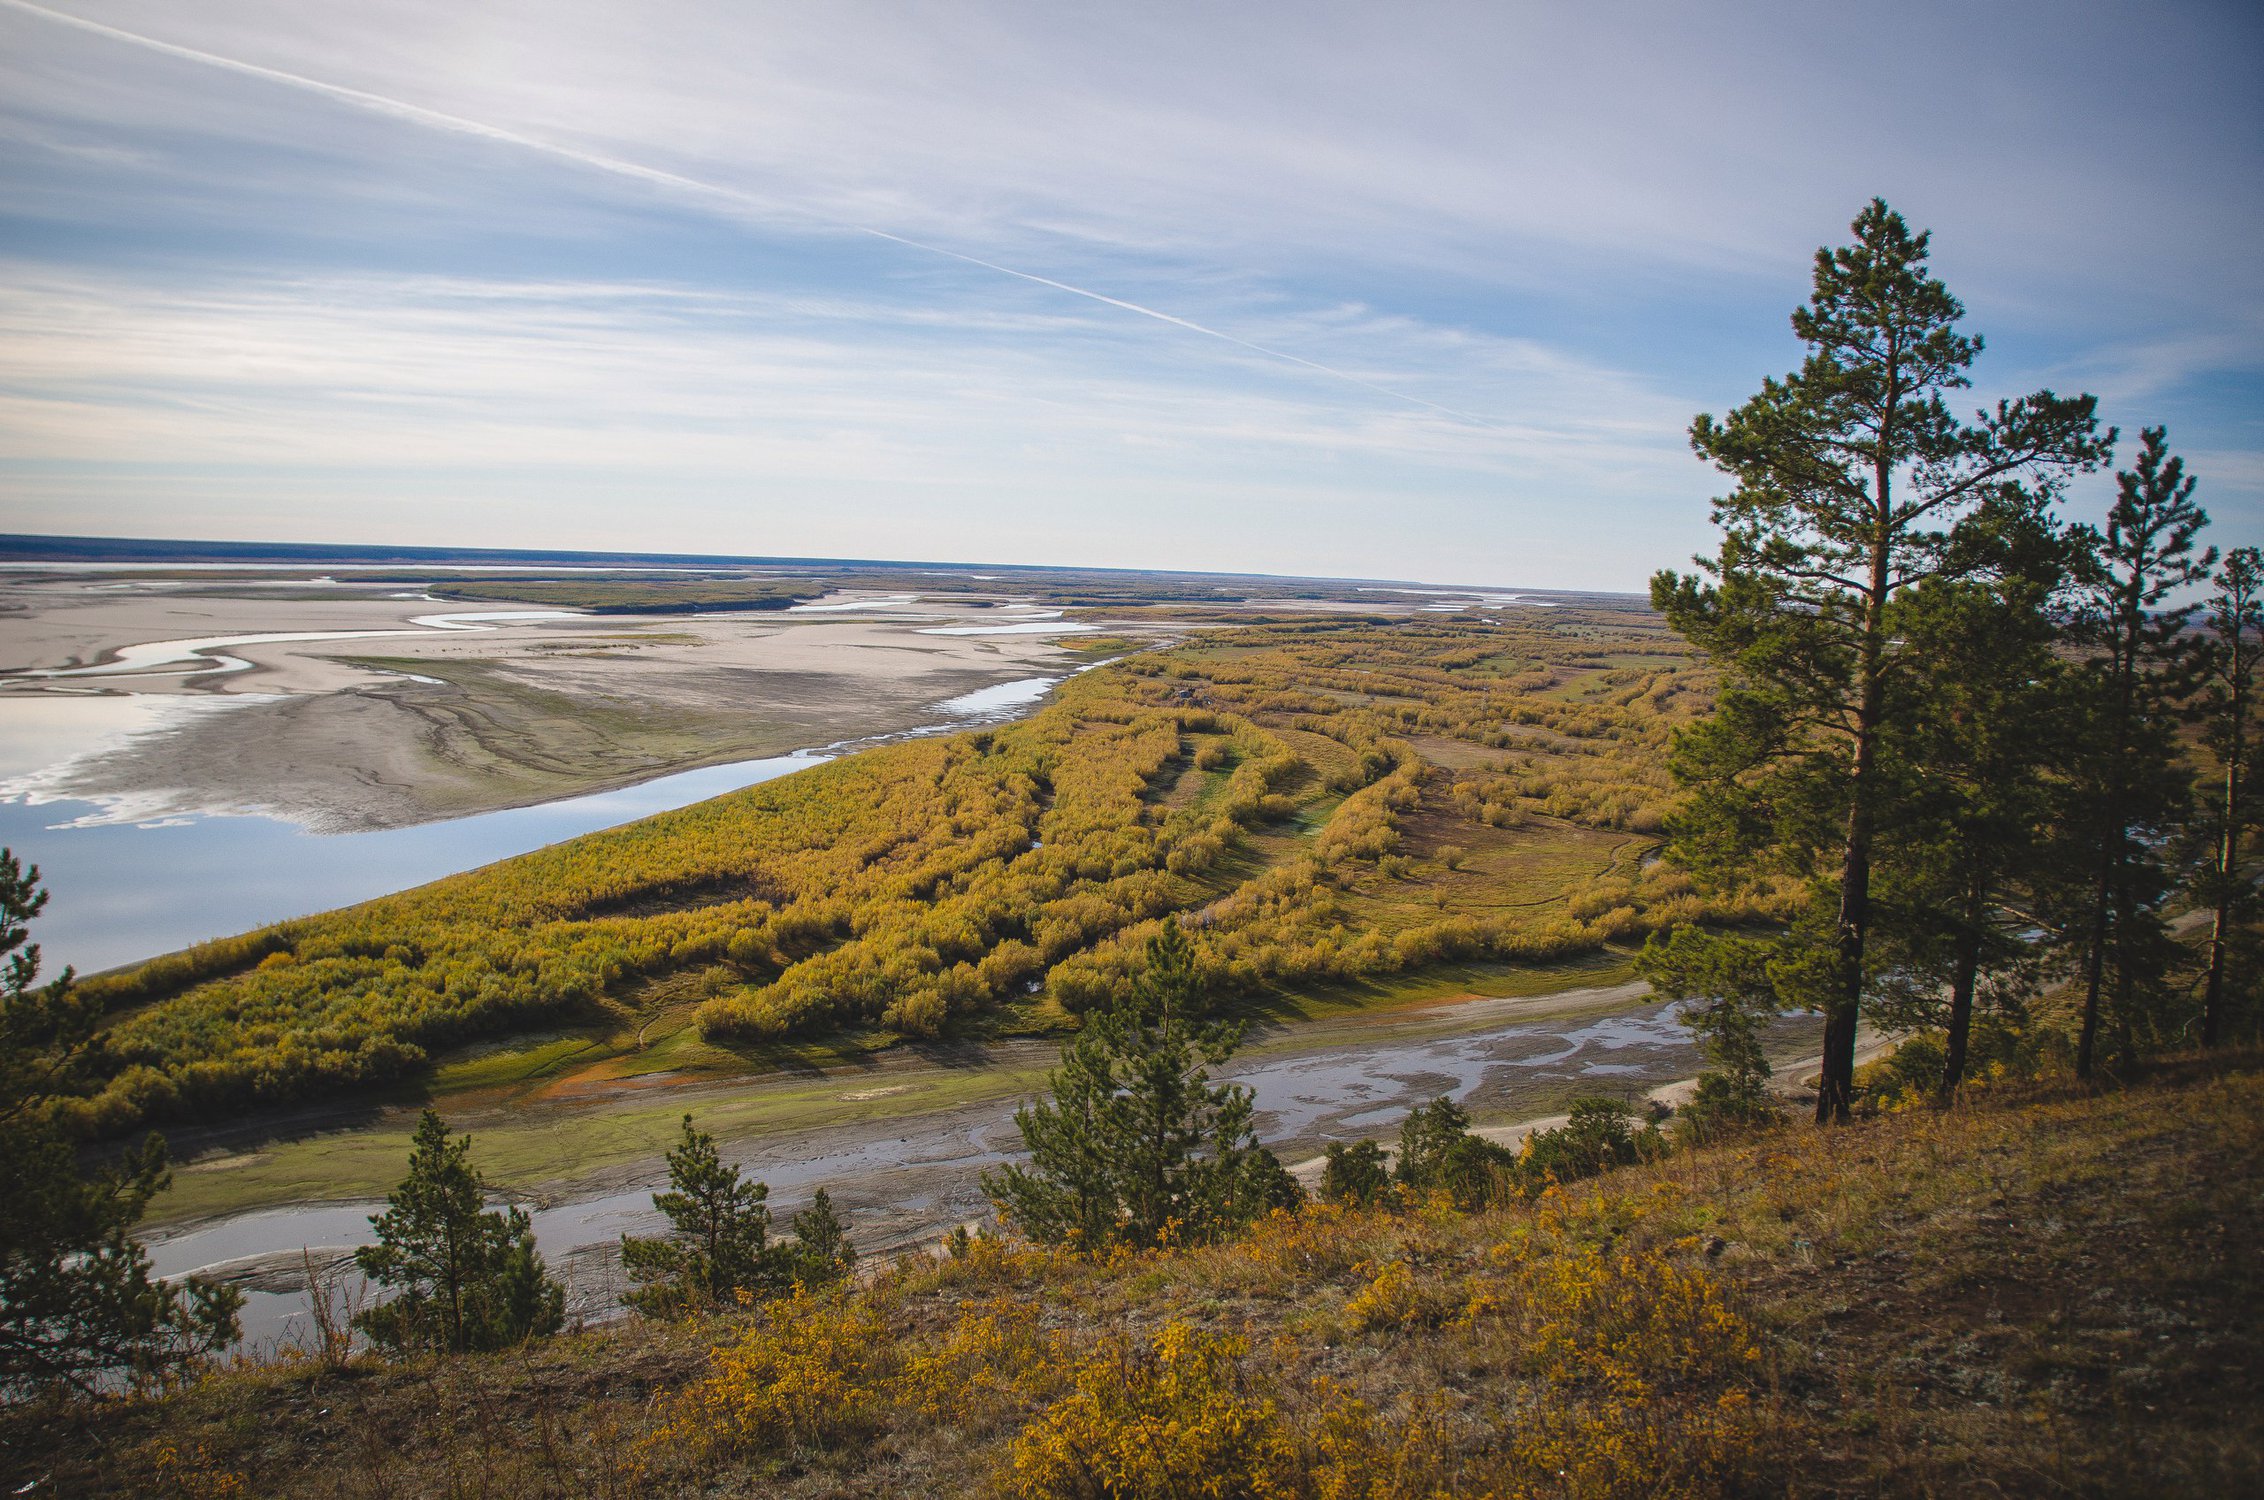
(123, 890)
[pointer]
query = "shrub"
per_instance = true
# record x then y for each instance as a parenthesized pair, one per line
(1654, 1373)
(1354, 1174)
(1389, 1300)
(1170, 1415)
(1599, 1136)
(809, 1372)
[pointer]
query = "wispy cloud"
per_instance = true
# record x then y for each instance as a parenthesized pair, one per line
(1062, 272)
(451, 387)
(676, 182)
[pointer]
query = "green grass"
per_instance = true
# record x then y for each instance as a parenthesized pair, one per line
(1484, 979)
(520, 1061)
(542, 1149)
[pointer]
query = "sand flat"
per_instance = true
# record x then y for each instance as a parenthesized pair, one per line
(408, 722)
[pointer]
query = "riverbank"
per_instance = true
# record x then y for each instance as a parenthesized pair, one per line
(569, 1114)
(899, 1140)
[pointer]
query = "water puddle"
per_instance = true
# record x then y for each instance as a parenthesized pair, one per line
(1000, 698)
(1033, 627)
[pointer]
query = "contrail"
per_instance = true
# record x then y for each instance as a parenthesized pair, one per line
(418, 114)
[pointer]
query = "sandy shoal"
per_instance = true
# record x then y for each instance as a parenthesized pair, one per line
(340, 735)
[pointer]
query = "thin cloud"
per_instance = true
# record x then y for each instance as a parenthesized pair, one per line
(418, 114)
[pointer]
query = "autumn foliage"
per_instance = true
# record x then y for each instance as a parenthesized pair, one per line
(1290, 792)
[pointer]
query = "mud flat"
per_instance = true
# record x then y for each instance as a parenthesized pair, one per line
(900, 1142)
(357, 707)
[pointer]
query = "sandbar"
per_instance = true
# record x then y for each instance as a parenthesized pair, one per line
(385, 721)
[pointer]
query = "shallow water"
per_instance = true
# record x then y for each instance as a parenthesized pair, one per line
(204, 656)
(1033, 627)
(893, 601)
(999, 698)
(122, 891)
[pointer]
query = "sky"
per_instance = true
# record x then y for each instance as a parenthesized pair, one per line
(1423, 290)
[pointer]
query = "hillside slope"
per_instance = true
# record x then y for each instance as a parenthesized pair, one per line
(2041, 1292)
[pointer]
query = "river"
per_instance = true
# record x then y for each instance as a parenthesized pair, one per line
(124, 889)
(904, 1180)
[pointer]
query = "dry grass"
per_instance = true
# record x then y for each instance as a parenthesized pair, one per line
(2040, 1292)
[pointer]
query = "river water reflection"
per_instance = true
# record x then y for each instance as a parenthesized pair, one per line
(126, 891)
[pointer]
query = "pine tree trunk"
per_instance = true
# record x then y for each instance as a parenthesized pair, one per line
(2213, 990)
(1963, 982)
(2126, 1041)
(2132, 610)
(2228, 871)
(1836, 1088)
(2094, 972)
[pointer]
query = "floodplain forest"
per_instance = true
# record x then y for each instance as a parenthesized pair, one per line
(1314, 802)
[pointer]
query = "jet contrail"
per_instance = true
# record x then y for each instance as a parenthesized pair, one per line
(418, 114)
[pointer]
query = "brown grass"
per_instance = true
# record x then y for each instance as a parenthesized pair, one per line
(2042, 1292)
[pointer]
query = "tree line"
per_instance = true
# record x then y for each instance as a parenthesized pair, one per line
(1990, 752)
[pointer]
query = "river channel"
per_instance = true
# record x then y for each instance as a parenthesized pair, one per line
(905, 1179)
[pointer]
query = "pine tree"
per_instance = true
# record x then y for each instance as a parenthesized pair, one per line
(2227, 705)
(1354, 1174)
(1598, 1134)
(1984, 733)
(78, 1306)
(466, 1278)
(821, 1252)
(1728, 995)
(2127, 794)
(716, 1246)
(1851, 476)
(1438, 1154)
(1136, 1146)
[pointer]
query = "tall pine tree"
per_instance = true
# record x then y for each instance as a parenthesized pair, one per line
(78, 1306)
(1982, 734)
(465, 1277)
(2227, 706)
(717, 1244)
(1852, 475)
(2127, 792)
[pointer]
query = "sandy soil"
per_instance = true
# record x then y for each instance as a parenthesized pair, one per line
(340, 734)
